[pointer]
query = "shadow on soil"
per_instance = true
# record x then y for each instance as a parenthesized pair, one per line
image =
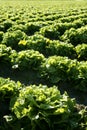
(28, 77)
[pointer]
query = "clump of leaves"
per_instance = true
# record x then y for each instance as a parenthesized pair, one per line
(50, 32)
(55, 68)
(39, 103)
(12, 38)
(36, 42)
(45, 108)
(76, 36)
(8, 88)
(5, 52)
(27, 59)
(81, 81)
(81, 51)
(60, 48)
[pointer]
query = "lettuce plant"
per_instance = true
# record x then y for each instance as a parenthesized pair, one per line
(44, 108)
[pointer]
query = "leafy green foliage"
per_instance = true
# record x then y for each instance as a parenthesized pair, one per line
(8, 88)
(55, 68)
(81, 51)
(50, 32)
(81, 81)
(33, 105)
(16, 27)
(7, 24)
(76, 36)
(73, 71)
(35, 31)
(48, 47)
(5, 53)
(60, 49)
(12, 38)
(42, 104)
(31, 28)
(58, 68)
(36, 42)
(28, 59)
(1, 35)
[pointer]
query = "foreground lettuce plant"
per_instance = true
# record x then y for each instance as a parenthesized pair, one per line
(43, 108)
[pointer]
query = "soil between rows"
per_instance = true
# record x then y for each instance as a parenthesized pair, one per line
(28, 77)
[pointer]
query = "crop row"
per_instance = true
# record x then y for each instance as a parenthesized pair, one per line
(53, 68)
(48, 23)
(18, 40)
(35, 14)
(31, 27)
(74, 33)
(29, 106)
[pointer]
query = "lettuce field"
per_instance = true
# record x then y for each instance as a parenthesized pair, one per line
(43, 65)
